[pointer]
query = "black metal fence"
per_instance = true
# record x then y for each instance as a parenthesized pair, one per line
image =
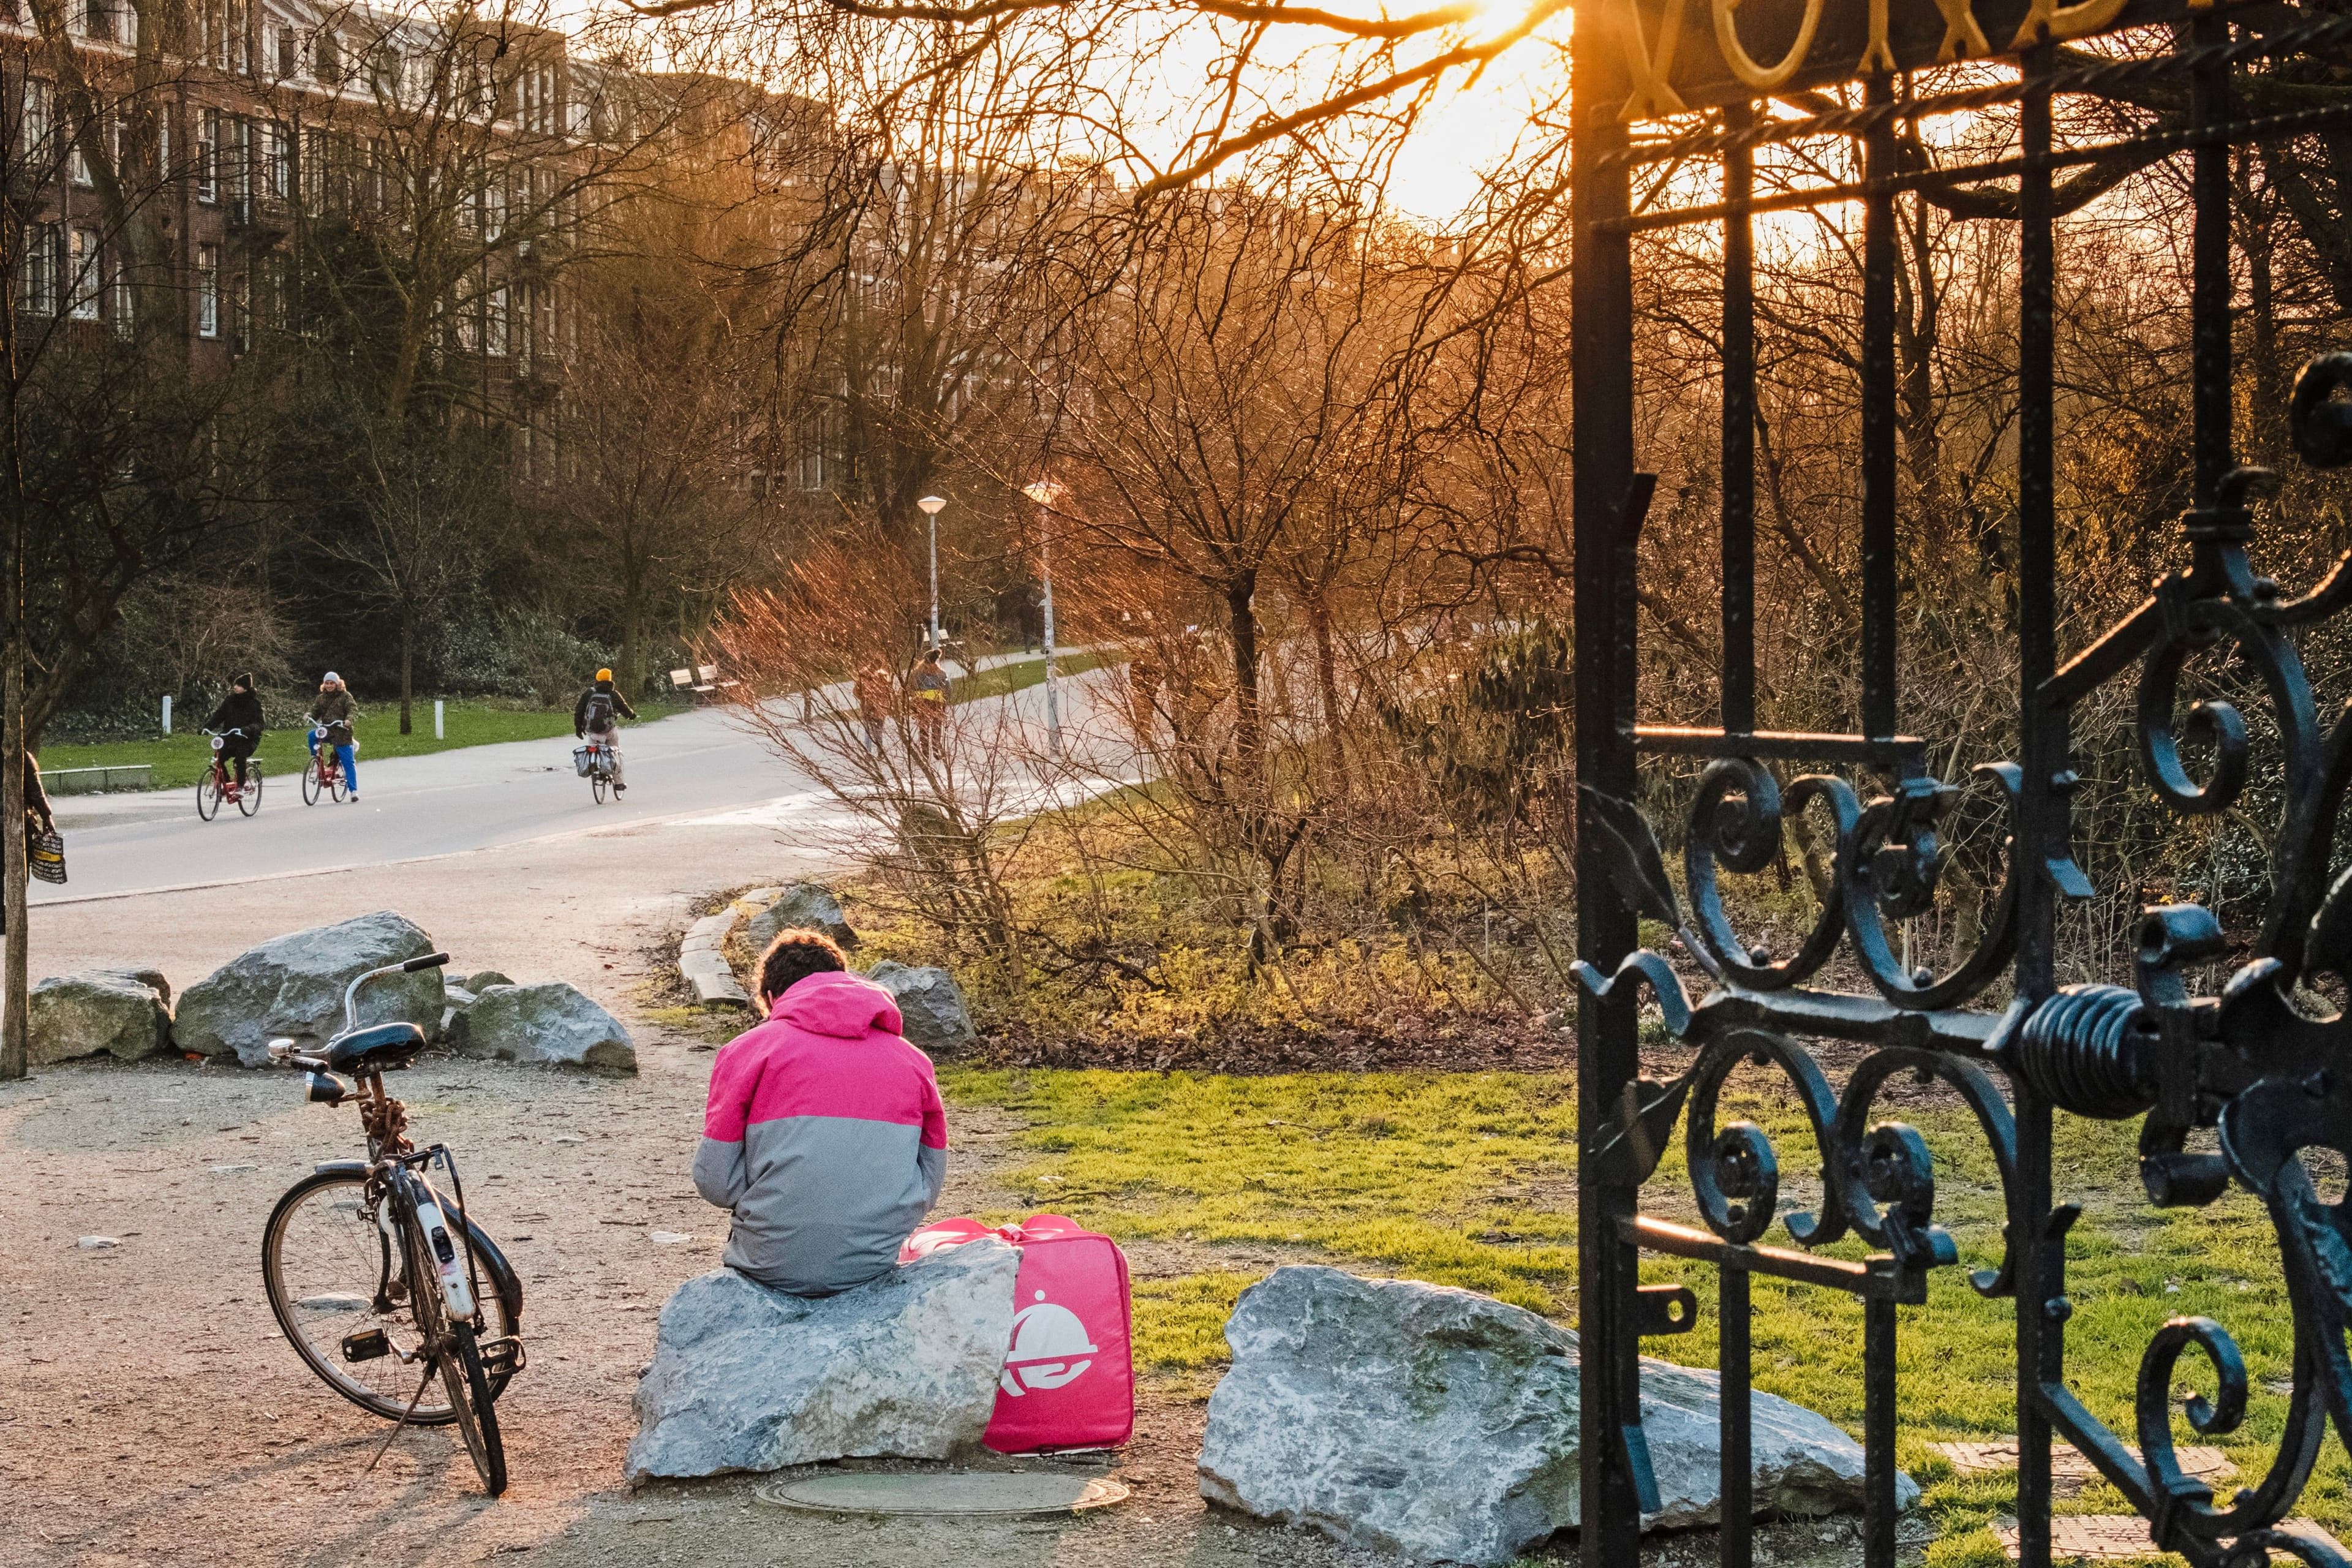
(2263, 1071)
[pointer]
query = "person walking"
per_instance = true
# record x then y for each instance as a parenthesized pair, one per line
(334, 711)
(238, 723)
(927, 688)
(873, 690)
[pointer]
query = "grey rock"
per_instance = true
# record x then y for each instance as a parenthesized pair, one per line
(553, 1024)
(109, 1011)
(293, 986)
(809, 906)
(455, 999)
(930, 1002)
(481, 980)
(1441, 1424)
(746, 1378)
(150, 978)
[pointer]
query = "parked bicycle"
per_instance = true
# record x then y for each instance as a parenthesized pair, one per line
(219, 781)
(374, 1274)
(324, 776)
(596, 762)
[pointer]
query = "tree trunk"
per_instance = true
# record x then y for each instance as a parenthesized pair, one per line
(407, 666)
(16, 987)
(1327, 674)
(1249, 736)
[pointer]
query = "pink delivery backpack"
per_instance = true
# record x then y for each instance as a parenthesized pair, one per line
(1069, 1373)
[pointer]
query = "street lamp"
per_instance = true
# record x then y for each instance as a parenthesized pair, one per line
(931, 505)
(1048, 494)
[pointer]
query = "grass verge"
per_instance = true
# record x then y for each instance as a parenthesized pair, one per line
(1467, 1179)
(179, 759)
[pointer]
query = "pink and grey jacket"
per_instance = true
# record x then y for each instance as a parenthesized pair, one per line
(824, 1134)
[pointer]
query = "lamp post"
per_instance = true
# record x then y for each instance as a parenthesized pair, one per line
(1046, 493)
(931, 506)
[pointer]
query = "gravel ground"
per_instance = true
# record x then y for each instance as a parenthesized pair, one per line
(151, 1414)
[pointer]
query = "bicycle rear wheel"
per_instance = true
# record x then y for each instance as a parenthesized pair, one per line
(597, 786)
(335, 782)
(332, 1277)
(208, 794)
(248, 799)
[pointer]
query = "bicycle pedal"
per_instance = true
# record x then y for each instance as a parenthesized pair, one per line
(366, 1345)
(502, 1357)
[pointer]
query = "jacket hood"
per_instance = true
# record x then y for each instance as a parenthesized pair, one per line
(840, 1005)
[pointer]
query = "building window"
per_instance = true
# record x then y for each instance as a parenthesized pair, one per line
(38, 286)
(236, 158)
(273, 307)
(123, 305)
(326, 57)
(82, 271)
(208, 300)
(208, 129)
(494, 325)
(241, 311)
(494, 208)
(35, 125)
(97, 21)
(282, 160)
(77, 165)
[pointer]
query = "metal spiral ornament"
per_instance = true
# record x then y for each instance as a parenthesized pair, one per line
(2088, 1050)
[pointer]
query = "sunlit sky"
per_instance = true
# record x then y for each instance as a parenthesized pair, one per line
(1467, 127)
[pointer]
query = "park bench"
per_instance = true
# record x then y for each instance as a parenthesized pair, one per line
(700, 681)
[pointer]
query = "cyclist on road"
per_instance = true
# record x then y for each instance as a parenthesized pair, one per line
(597, 716)
(335, 710)
(238, 723)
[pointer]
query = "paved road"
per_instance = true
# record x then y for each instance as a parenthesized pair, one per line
(478, 797)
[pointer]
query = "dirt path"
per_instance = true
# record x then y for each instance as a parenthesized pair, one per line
(151, 1414)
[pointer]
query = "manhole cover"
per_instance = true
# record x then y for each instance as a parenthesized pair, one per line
(924, 1493)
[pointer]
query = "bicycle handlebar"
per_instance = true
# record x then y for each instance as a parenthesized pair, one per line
(406, 966)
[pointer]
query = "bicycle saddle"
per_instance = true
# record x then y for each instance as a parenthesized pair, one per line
(376, 1048)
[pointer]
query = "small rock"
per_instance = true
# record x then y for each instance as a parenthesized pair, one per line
(232, 1170)
(746, 1378)
(808, 906)
(113, 1012)
(293, 986)
(930, 1002)
(99, 1243)
(667, 1237)
(554, 1024)
(570, 1138)
(1441, 1424)
(481, 980)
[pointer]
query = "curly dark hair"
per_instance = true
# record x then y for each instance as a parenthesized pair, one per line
(795, 956)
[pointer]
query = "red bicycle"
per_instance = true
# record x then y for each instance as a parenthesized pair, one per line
(325, 774)
(219, 782)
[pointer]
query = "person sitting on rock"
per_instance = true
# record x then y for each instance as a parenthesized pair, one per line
(824, 1133)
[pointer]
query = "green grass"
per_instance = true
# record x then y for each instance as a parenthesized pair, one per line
(1465, 1180)
(1005, 679)
(180, 759)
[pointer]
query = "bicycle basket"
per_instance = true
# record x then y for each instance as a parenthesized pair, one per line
(45, 856)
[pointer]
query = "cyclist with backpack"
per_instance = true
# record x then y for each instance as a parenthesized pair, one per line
(597, 717)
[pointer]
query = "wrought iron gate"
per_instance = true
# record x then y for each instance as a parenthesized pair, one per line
(2274, 1082)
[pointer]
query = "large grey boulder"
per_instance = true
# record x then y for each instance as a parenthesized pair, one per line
(111, 1011)
(745, 1378)
(553, 1024)
(930, 1002)
(807, 906)
(293, 986)
(1441, 1424)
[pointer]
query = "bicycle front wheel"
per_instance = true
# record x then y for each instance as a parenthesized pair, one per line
(248, 799)
(310, 784)
(208, 796)
(458, 1359)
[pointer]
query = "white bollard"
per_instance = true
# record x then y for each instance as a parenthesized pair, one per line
(437, 719)
(167, 713)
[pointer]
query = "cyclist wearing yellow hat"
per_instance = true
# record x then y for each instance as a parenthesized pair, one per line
(597, 716)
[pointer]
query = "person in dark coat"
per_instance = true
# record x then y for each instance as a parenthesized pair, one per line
(238, 723)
